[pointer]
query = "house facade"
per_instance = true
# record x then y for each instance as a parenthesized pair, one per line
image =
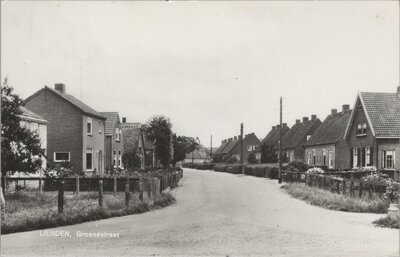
(272, 138)
(231, 148)
(373, 132)
(327, 147)
(294, 139)
(75, 131)
(114, 146)
(38, 124)
(135, 142)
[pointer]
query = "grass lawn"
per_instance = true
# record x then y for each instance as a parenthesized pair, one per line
(334, 201)
(26, 210)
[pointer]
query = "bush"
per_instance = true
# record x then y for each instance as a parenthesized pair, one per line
(315, 170)
(392, 192)
(232, 160)
(298, 166)
(387, 222)
(252, 159)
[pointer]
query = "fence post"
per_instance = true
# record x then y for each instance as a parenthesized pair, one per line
(77, 186)
(115, 186)
(127, 193)
(101, 193)
(61, 196)
(344, 187)
(360, 190)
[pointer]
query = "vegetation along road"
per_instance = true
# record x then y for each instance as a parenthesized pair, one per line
(219, 214)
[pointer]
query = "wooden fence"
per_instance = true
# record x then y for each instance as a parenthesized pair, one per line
(336, 184)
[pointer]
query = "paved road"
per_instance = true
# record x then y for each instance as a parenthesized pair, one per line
(220, 214)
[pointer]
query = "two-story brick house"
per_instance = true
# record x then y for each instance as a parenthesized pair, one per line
(114, 146)
(373, 131)
(293, 141)
(327, 147)
(75, 131)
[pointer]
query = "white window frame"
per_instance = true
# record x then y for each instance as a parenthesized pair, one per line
(367, 156)
(55, 160)
(100, 131)
(89, 121)
(361, 129)
(330, 159)
(114, 158)
(90, 151)
(355, 157)
(249, 147)
(385, 160)
(309, 158)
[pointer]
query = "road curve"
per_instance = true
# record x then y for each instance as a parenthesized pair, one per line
(219, 214)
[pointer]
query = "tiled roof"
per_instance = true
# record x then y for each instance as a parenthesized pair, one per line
(77, 103)
(331, 130)
(273, 136)
(296, 133)
(112, 118)
(29, 114)
(221, 148)
(383, 110)
(229, 146)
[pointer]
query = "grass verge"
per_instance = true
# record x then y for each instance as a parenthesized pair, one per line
(334, 201)
(387, 222)
(26, 212)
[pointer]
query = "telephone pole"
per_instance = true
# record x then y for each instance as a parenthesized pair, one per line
(241, 147)
(280, 144)
(211, 150)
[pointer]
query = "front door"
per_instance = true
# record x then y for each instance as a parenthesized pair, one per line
(330, 159)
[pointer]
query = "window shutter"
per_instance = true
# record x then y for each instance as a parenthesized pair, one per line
(358, 157)
(371, 156)
(351, 157)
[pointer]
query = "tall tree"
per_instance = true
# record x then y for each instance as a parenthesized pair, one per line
(268, 155)
(159, 130)
(20, 147)
(182, 146)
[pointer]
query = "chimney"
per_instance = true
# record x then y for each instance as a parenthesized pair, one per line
(60, 87)
(123, 119)
(333, 111)
(313, 117)
(284, 125)
(345, 107)
(273, 127)
(298, 121)
(305, 119)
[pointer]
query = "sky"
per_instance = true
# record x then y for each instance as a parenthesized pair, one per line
(208, 66)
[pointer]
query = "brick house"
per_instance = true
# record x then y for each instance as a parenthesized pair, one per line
(327, 147)
(75, 131)
(293, 141)
(135, 142)
(114, 146)
(373, 131)
(231, 147)
(34, 122)
(272, 138)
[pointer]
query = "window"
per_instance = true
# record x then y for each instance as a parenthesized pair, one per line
(324, 156)
(330, 159)
(249, 147)
(114, 158)
(119, 159)
(100, 127)
(117, 134)
(314, 159)
(89, 126)
(308, 158)
(362, 129)
(355, 157)
(291, 157)
(388, 158)
(367, 156)
(89, 159)
(308, 137)
(61, 156)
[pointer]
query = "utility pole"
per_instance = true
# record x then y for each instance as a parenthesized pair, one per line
(211, 150)
(280, 144)
(241, 147)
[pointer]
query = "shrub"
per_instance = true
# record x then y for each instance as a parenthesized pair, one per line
(298, 166)
(387, 222)
(252, 159)
(232, 160)
(315, 170)
(392, 192)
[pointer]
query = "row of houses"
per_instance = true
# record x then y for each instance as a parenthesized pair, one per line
(231, 148)
(367, 135)
(70, 130)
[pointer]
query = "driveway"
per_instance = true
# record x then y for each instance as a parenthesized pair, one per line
(219, 214)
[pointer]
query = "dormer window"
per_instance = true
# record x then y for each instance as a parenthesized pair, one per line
(362, 129)
(89, 126)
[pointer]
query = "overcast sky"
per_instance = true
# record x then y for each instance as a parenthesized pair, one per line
(208, 66)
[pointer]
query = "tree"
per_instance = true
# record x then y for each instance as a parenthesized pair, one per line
(20, 147)
(268, 155)
(252, 159)
(159, 130)
(131, 160)
(182, 146)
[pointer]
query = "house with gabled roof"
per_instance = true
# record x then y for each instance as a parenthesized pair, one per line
(114, 146)
(270, 141)
(231, 147)
(293, 141)
(327, 147)
(135, 142)
(75, 131)
(373, 131)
